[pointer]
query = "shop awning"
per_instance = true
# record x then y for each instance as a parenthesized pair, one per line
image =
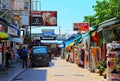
(108, 24)
(3, 35)
(7, 23)
(72, 44)
(78, 40)
(70, 40)
(3, 20)
(19, 40)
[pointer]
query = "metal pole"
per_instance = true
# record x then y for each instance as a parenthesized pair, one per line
(59, 30)
(30, 19)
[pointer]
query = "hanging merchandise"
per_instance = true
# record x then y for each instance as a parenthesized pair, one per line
(114, 65)
(95, 37)
(116, 46)
(94, 51)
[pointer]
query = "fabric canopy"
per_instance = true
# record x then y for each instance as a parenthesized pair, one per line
(19, 40)
(71, 44)
(71, 40)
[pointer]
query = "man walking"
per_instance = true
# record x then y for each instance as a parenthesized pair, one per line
(24, 57)
(8, 59)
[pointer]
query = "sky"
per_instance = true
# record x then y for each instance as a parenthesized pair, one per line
(68, 12)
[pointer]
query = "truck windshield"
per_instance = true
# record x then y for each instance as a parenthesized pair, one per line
(39, 50)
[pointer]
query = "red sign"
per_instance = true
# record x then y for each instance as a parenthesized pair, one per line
(76, 26)
(44, 18)
(84, 26)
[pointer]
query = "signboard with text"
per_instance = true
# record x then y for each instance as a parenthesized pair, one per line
(76, 26)
(43, 18)
(47, 34)
(83, 26)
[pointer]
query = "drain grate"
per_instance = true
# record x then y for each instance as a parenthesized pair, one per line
(59, 75)
(65, 65)
(77, 75)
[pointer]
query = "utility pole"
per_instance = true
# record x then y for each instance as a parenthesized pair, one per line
(59, 31)
(30, 19)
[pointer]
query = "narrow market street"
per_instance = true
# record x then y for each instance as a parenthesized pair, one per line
(59, 70)
(72, 40)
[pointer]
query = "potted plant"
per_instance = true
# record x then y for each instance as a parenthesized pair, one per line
(101, 67)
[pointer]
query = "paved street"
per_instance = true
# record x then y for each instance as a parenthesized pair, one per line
(59, 70)
(64, 71)
(15, 70)
(86, 34)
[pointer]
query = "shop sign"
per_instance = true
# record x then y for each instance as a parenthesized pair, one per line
(12, 31)
(48, 34)
(76, 26)
(36, 20)
(43, 18)
(83, 26)
(47, 38)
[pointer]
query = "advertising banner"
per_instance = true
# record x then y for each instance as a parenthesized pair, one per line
(36, 18)
(25, 20)
(76, 26)
(83, 26)
(44, 18)
(48, 34)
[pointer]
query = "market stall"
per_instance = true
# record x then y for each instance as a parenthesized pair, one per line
(113, 62)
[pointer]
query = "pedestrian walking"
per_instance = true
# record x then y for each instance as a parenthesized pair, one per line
(29, 55)
(8, 59)
(24, 57)
(50, 55)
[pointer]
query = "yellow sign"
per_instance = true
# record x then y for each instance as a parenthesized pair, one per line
(3, 35)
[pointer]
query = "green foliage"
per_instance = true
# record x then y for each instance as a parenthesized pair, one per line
(104, 9)
(101, 65)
